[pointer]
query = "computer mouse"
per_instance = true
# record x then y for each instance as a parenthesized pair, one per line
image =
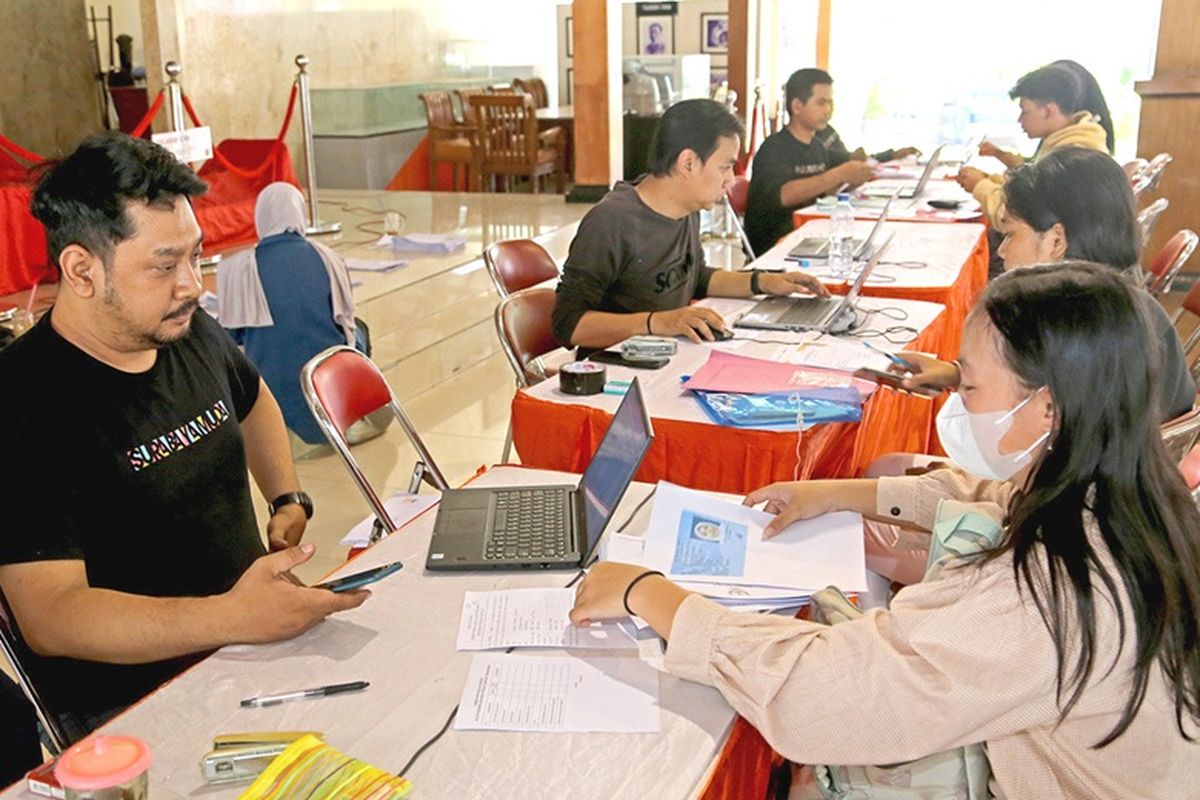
(948, 205)
(721, 334)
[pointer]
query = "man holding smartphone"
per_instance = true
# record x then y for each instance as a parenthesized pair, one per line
(131, 549)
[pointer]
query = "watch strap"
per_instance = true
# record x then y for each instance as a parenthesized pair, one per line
(755, 287)
(297, 498)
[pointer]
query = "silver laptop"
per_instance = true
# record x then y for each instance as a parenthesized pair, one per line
(907, 190)
(818, 246)
(543, 527)
(824, 314)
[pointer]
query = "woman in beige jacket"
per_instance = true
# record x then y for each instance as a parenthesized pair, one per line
(1072, 649)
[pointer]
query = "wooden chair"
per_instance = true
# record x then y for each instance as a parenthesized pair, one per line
(449, 140)
(341, 386)
(1147, 218)
(523, 327)
(1167, 263)
(508, 144)
(1191, 305)
(535, 88)
(518, 264)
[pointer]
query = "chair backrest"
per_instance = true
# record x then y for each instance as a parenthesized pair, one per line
(534, 87)
(1167, 263)
(1134, 168)
(9, 638)
(1156, 167)
(739, 194)
(465, 99)
(518, 264)
(341, 386)
(1181, 434)
(439, 109)
(1191, 305)
(523, 325)
(1149, 215)
(1190, 467)
(506, 127)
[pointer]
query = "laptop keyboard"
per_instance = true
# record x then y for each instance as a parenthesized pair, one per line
(809, 312)
(528, 524)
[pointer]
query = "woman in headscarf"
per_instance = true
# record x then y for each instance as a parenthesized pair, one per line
(286, 300)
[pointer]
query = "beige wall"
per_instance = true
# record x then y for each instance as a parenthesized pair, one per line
(47, 93)
(237, 55)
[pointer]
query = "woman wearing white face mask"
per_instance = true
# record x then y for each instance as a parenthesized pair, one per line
(1071, 647)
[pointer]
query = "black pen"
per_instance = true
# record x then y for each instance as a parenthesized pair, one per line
(303, 694)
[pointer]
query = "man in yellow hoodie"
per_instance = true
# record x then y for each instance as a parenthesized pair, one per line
(1050, 99)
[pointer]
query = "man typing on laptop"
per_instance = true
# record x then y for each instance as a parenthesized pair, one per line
(636, 263)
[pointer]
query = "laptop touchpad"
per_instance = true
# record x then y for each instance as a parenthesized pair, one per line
(466, 520)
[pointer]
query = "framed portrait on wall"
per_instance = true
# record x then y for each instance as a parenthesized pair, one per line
(714, 33)
(570, 34)
(656, 35)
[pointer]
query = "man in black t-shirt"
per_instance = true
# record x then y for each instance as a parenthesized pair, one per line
(130, 547)
(803, 161)
(636, 263)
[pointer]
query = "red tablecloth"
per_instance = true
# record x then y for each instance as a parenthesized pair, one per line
(561, 436)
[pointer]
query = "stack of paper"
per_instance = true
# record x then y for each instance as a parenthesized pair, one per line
(401, 507)
(371, 265)
(439, 243)
(716, 547)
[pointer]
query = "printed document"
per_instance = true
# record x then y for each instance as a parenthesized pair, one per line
(559, 694)
(696, 537)
(531, 618)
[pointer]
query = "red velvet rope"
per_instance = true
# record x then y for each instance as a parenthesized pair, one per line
(18, 151)
(272, 157)
(150, 115)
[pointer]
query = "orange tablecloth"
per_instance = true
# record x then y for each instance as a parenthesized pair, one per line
(562, 436)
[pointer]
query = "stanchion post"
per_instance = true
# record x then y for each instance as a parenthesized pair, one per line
(310, 169)
(174, 95)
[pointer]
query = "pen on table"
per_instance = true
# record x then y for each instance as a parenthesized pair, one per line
(895, 359)
(303, 694)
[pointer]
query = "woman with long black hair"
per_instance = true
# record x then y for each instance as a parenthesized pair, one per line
(1070, 647)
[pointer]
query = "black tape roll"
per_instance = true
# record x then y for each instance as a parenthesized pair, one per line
(582, 377)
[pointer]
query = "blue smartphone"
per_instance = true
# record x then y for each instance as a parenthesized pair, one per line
(360, 579)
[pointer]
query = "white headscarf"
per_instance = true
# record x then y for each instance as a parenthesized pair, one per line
(241, 302)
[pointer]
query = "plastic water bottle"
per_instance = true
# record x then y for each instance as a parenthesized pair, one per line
(841, 238)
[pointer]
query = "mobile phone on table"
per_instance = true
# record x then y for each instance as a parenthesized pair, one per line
(360, 579)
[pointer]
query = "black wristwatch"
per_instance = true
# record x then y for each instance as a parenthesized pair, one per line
(299, 498)
(754, 287)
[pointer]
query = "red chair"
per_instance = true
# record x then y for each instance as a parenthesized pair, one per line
(523, 326)
(1181, 434)
(518, 264)
(1156, 167)
(1167, 263)
(739, 194)
(56, 738)
(1191, 304)
(1190, 467)
(1147, 218)
(342, 386)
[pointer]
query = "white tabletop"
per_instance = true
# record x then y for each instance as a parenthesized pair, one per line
(919, 256)
(909, 209)
(661, 387)
(402, 640)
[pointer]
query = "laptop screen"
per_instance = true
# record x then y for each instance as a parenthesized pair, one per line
(615, 462)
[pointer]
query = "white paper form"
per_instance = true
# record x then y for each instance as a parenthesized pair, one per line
(531, 618)
(402, 507)
(372, 265)
(559, 694)
(694, 536)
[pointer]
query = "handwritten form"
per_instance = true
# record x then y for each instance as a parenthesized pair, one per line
(531, 618)
(559, 694)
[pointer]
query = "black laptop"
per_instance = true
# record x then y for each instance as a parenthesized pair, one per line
(543, 527)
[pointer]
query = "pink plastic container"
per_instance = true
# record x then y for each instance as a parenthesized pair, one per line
(105, 768)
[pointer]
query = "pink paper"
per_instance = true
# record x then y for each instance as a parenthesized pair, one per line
(726, 372)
